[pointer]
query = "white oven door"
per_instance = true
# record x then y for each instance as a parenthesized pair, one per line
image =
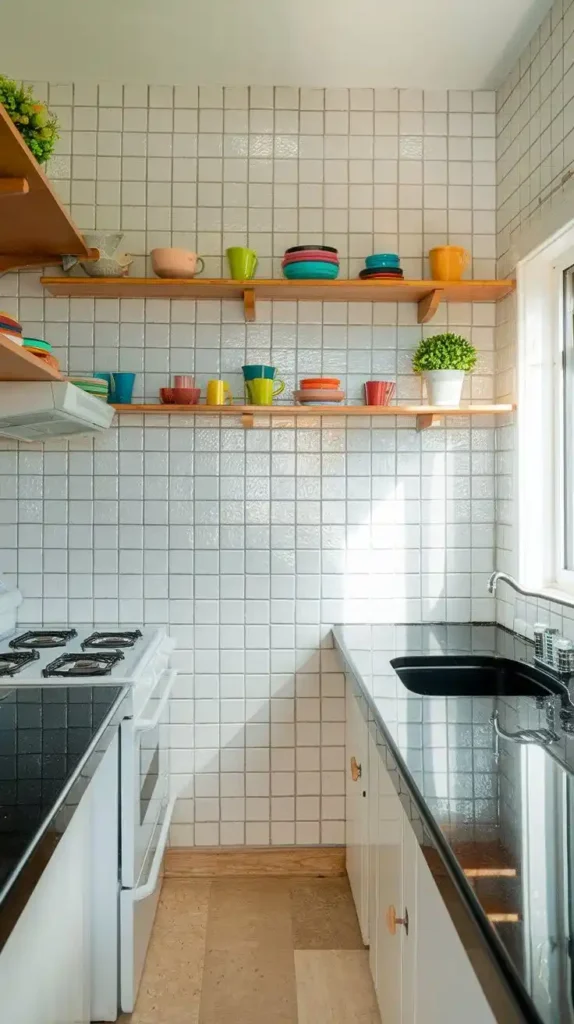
(144, 780)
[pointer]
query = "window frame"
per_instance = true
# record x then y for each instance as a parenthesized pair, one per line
(540, 455)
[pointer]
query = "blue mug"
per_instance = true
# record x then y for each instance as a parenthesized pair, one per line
(121, 387)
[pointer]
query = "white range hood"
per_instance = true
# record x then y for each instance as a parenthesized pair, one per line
(35, 411)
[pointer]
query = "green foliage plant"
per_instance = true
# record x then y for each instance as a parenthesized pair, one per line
(36, 125)
(445, 352)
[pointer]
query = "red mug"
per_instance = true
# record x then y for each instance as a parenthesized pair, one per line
(379, 392)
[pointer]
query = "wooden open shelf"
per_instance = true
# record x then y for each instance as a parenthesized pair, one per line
(427, 294)
(16, 363)
(426, 415)
(34, 226)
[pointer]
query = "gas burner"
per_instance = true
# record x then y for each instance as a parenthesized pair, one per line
(43, 638)
(126, 638)
(10, 664)
(83, 664)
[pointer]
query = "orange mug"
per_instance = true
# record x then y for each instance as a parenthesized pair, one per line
(448, 262)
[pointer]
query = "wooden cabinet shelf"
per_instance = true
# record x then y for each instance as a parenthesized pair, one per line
(16, 363)
(34, 226)
(427, 294)
(425, 415)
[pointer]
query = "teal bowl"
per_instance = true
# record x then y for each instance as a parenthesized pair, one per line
(311, 269)
(382, 259)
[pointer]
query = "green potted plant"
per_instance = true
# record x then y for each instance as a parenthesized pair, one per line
(443, 361)
(36, 125)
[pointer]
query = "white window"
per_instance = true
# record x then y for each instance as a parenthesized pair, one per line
(545, 417)
(565, 448)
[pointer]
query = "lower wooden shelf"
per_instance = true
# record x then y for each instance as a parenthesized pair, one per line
(426, 415)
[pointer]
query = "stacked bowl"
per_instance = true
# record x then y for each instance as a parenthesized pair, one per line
(42, 350)
(319, 391)
(92, 385)
(10, 328)
(308, 262)
(385, 265)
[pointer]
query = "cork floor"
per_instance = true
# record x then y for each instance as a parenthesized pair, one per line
(256, 951)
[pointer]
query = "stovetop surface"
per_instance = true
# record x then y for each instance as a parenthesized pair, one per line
(123, 669)
(44, 733)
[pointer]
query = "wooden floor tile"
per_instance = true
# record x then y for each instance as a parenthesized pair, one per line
(324, 915)
(335, 987)
(249, 986)
(246, 912)
(171, 985)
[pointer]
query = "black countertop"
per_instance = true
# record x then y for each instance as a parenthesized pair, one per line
(495, 819)
(52, 739)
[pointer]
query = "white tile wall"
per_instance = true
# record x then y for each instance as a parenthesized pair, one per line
(535, 150)
(250, 545)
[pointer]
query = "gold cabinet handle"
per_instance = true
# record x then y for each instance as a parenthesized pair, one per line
(356, 770)
(393, 921)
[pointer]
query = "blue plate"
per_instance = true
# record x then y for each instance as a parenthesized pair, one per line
(311, 269)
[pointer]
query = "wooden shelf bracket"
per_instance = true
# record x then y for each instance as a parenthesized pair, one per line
(13, 187)
(247, 420)
(429, 420)
(428, 306)
(249, 304)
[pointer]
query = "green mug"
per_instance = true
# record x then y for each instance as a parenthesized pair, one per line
(262, 391)
(242, 262)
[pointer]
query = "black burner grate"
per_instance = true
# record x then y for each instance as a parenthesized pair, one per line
(83, 664)
(43, 638)
(10, 664)
(111, 639)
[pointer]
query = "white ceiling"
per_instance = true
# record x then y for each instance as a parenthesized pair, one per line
(433, 44)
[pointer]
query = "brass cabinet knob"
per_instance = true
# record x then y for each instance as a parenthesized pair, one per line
(393, 921)
(356, 770)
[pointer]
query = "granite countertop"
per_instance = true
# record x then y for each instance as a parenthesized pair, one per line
(476, 802)
(52, 739)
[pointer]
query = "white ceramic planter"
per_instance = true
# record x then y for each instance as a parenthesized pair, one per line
(444, 387)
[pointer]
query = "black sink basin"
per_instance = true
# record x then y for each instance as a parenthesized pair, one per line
(473, 676)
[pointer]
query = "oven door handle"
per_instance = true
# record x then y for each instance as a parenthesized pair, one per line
(147, 724)
(141, 892)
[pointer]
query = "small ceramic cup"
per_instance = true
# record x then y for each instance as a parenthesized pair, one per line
(183, 380)
(178, 263)
(218, 393)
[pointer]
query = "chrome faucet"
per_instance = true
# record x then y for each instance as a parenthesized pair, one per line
(551, 649)
(497, 577)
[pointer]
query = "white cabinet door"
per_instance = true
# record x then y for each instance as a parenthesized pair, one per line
(389, 946)
(357, 751)
(45, 965)
(446, 987)
(373, 854)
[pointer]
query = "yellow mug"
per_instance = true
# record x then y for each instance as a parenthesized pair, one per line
(448, 262)
(262, 391)
(218, 393)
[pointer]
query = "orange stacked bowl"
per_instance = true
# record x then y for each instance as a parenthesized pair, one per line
(319, 391)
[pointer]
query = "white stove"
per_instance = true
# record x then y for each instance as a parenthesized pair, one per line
(137, 658)
(65, 656)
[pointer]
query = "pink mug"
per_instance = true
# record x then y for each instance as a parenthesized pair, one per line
(183, 381)
(176, 263)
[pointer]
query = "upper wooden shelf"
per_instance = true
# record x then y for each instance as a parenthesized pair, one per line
(428, 294)
(34, 226)
(425, 415)
(16, 363)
